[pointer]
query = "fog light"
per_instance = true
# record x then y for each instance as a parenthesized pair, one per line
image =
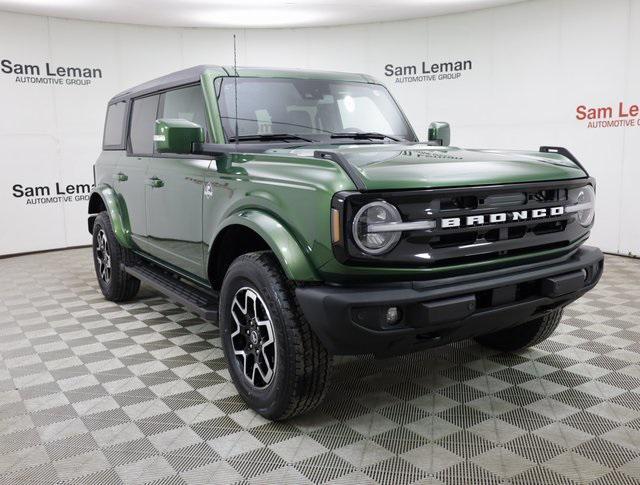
(393, 315)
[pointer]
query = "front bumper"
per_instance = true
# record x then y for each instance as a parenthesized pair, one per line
(352, 320)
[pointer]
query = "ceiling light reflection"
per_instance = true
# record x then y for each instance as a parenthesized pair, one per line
(259, 17)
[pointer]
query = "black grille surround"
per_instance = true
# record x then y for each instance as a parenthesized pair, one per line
(445, 246)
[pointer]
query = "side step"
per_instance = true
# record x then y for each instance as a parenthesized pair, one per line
(198, 301)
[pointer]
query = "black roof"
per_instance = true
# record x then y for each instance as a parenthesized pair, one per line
(193, 74)
(178, 78)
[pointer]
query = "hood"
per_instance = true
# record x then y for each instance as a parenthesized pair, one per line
(418, 166)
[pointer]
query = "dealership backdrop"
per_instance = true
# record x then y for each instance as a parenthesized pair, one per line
(532, 65)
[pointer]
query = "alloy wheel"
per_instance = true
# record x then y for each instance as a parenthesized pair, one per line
(253, 339)
(103, 256)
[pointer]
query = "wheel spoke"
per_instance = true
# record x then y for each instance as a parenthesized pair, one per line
(266, 324)
(266, 377)
(244, 361)
(235, 318)
(251, 299)
(242, 308)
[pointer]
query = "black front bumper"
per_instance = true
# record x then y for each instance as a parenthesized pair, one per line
(352, 320)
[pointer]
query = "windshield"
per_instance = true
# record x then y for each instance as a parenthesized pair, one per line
(321, 108)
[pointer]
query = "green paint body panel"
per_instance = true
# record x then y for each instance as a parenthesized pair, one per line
(285, 199)
(119, 221)
(294, 261)
(284, 194)
(419, 166)
(215, 124)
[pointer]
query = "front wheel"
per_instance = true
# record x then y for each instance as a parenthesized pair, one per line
(278, 365)
(526, 335)
(109, 260)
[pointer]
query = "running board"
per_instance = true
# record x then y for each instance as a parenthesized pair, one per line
(195, 300)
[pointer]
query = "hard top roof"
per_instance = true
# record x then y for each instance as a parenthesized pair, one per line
(193, 74)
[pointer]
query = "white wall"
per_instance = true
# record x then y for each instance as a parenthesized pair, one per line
(533, 64)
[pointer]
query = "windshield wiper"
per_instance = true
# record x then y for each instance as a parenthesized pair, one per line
(358, 135)
(268, 137)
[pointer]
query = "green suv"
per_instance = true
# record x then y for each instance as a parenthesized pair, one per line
(299, 211)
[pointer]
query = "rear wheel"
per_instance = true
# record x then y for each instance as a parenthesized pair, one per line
(276, 362)
(526, 335)
(109, 259)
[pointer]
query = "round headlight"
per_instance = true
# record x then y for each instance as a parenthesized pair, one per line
(364, 232)
(583, 203)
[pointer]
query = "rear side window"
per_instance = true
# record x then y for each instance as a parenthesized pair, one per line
(184, 103)
(114, 126)
(143, 119)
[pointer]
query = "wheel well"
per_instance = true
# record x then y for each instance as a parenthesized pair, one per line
(96, 205)
(232, 242)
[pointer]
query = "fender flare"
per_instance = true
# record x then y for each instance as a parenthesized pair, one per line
(292, 258)
(119, 219)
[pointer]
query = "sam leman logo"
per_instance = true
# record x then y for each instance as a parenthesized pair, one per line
(427, 72)
(49, 73)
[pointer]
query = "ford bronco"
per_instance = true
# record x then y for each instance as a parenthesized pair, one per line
(299, 211)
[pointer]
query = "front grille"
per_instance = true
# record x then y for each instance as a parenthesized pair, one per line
(476, 238)
(467, 244)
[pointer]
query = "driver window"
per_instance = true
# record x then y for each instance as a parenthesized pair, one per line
(187, 104)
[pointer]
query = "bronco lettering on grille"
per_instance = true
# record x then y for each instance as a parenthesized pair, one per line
(500, 217)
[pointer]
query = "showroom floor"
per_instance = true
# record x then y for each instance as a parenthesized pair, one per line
(94, 392)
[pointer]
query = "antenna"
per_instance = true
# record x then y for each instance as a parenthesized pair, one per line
(235, 85)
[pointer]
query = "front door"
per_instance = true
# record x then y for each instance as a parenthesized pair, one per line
(174, 212)
(174, 191)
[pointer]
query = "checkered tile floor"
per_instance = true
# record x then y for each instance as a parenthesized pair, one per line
(94, 392)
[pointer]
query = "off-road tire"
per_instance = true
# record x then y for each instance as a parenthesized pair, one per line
(526, 335)
(121, 286)
(303, 365)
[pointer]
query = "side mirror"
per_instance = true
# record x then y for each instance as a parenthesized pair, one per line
(176, 136)
(439, 133)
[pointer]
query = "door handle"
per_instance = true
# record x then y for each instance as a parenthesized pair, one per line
(155, 182)
(120, 177)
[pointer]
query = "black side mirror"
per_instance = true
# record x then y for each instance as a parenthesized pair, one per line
(439, 133)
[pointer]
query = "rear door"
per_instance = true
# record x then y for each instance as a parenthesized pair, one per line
(131, 170)
(175, 191)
